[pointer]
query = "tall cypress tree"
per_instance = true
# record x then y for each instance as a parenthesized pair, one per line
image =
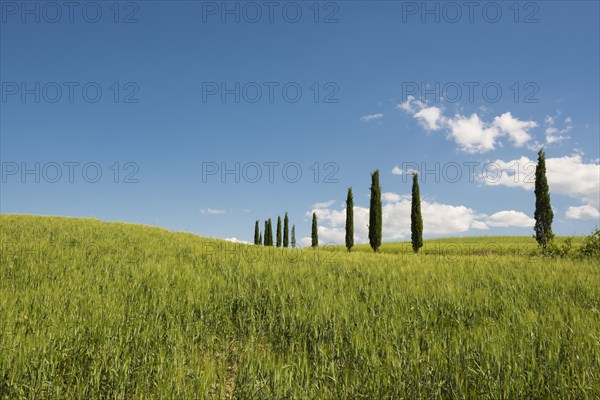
(265, 240)
(256, 231)
(286, 237)
(375, 212)
(315, 233)
(278, 231)
(270, 235)
(349, 220)
(293, 236)
(543, 210)
(260, 238)
(416, 220)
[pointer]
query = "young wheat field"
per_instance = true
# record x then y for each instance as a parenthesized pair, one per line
(94, 310)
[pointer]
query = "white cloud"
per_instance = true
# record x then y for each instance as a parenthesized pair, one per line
(510, 218)
(407, 105)
(516, 130)
(568, 176)
(305, 241)
(330, 235)
(390, 197)
(236, 240)
(471, 133)
(430, 118)
(571, 177)
(446, 219)
(399, 171)
(324, 204)
(438, 219)
(333, 217)
(212, 211)
(583, 212)
(514, 173)
(553, 134)
(371, 117)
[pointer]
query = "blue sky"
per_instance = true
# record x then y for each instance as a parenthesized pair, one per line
(169, 74)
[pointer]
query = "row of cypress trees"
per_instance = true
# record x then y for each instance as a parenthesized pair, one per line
(543, 211)
(280, 240)
(543, 215)
(376, 216)
(375, 221)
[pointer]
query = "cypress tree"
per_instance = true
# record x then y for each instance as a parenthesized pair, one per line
(286, 237)
(260, 239)
(349, 220)
(416, 220)
(256, 229)
(293, 236)
(270, 233)
(375, 213)
(543, 210)
(265, 240)
(278, 231)
(315, 233)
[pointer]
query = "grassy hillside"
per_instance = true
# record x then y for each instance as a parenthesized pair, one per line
(109, 310)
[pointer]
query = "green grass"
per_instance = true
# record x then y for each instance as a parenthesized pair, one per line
(115, 311)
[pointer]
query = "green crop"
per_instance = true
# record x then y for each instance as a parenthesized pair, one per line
(93, 310)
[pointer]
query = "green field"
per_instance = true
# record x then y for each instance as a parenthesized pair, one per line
(92, 310)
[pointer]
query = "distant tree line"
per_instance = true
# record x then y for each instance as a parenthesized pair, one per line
(282, 235)
(543, 216)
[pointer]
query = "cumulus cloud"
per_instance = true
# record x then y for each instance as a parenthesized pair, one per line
(390, 197)
(568, 176)
(510, 218)
(516, 130)
(513, 173)
(330, 235)
(471, 133)
(371, 117)
(430, 118)
(438, 219)
(447, 219)
(582, 212)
